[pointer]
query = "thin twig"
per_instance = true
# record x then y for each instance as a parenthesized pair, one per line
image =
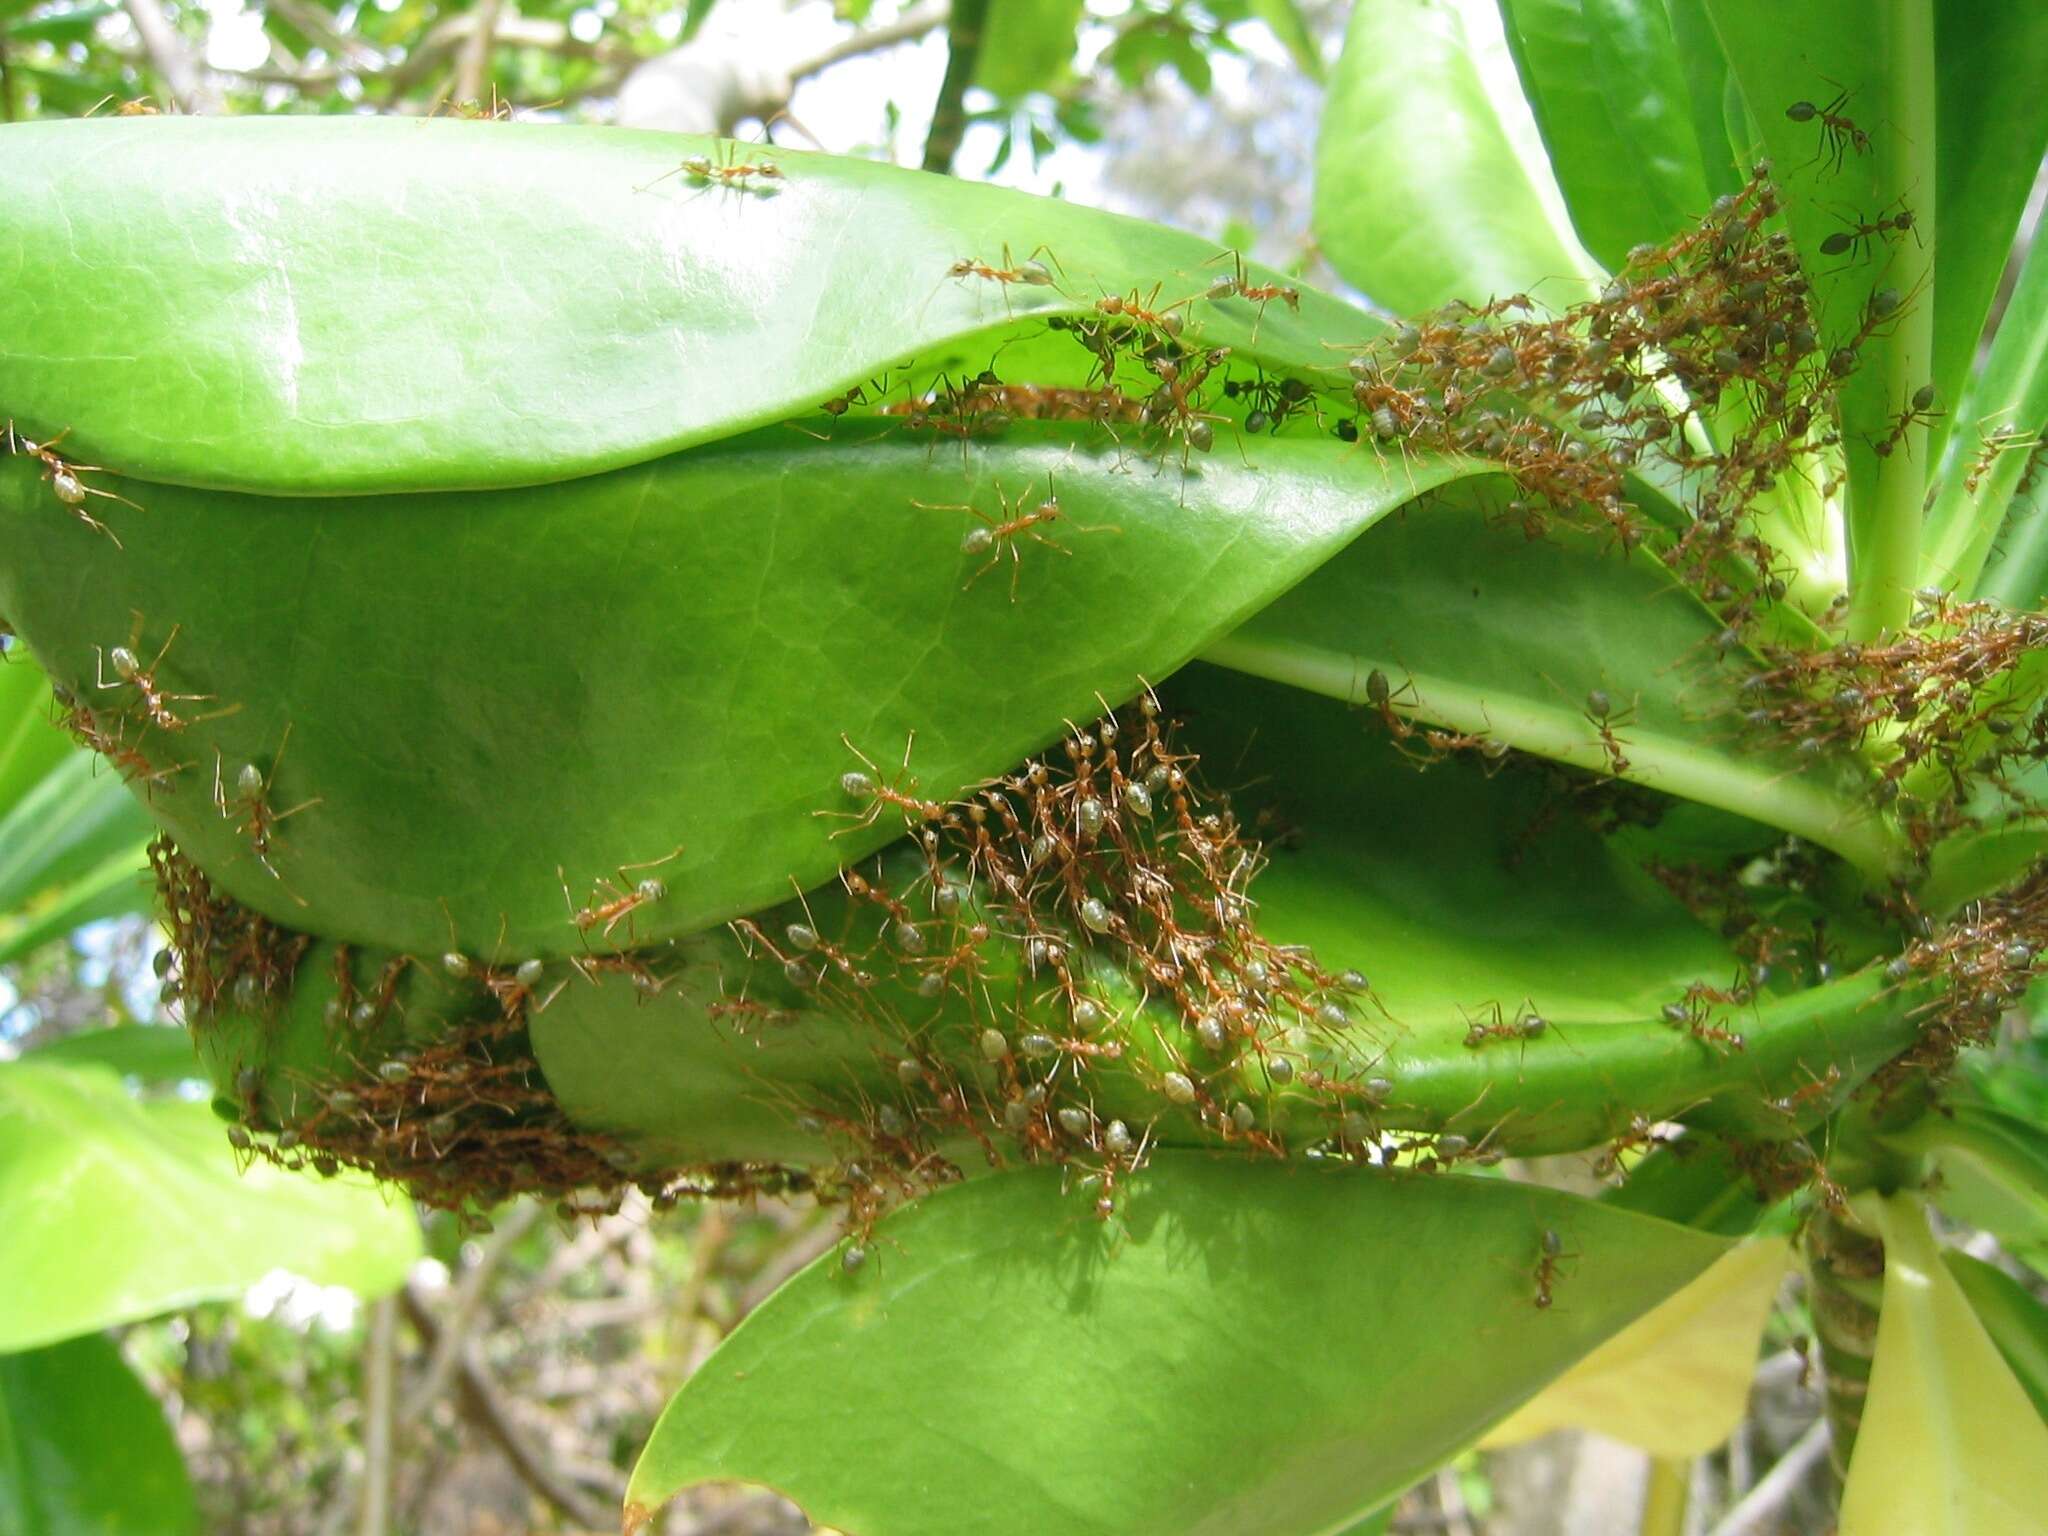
(475, 56)
(484, 1406)
(949, 114)
(462, 1314)
(907, 28)
(171, 58)
(1761, 1506)
(379, 1369)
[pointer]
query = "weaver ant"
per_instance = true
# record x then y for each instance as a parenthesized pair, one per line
(1601, 716)
(866, 783)
(1140, 311)
(1694, 1014)
(251, 802)
(1550, 1253)
(1919, 411)
(129, 672)
(613, 903)
(729, 171)
(1859, 234)
(1527, 1024)
(999, 536)
(1030, 272)
(1236, 286)
(1838, 134)
(64, 479)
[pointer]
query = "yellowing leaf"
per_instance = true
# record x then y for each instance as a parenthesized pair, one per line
(1676, 1381)
(1950, 1444)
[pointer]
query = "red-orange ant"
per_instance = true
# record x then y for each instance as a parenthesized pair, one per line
(251, 804)
(614, 903)
(729, 172)
(1140, 310)
(867, 783)
(1526, 1025)
(999, 536)
(1237, 286)
(1382, 695)
(1550, 1253)
(1695, 1013)
(64, 479)
(129, 672)
(1031, 272)
(1838, 134)
(1998, 441)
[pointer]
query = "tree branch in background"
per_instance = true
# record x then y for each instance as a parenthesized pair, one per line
(949, 115)
(475, 57)
(485, 1407)
(380, 1371)
(907, 28)
(169, 56)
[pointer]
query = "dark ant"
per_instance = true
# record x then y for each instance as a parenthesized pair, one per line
(1694, 1014)
(1919, 411)
(1838, 134)
(1858, 235)
(1527, 1024)
(1382, 695)
(1550, 1253)
(1601, 716)
(64, 479)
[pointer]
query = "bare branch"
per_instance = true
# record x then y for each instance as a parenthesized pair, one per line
(949, 113)
(171, 58)
(1765, 1502)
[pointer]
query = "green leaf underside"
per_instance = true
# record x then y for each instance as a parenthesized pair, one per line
(1230, 1348)
(152, 1054)
(84, 1450)
(484, 689)
(1451, 891)
(1420, 197)
(330, 305)
(116, 1210)
(1491, 633)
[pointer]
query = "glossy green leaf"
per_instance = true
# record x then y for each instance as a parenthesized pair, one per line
(494, 695)
(1990, 1169)
(1992, 126)
(77, 821)
(84, 1449)
(1707, 86)
(155, 1055)
(1421, 195)
(2013, 1316)
(1880, 61)
(1950, 1445)
(1993, 539)
(115, 1210)
(1026, 45)
(277, 344)
(1231, 1348)
(28, 747)
(1485, 631)
(1607, 85)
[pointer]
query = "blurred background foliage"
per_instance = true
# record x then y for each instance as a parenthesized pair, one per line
(507, 1385)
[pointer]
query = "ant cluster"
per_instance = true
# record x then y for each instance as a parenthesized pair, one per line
(1933, 698)
(220, 951)
(1981, 965)
(1081, 933)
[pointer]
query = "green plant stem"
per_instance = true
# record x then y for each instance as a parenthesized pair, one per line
(949, 115)
(1665, 1499)
(1886, 534)
(1793, 802)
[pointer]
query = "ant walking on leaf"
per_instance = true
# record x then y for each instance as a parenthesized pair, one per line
(728, 171)
(129, 672)
(1030, 272)
(250, 808)
(64, 479)
(614, 902)
(1238, 286)
(998, 536)
(1839, 135)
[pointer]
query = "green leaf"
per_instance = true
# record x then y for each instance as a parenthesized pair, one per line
(1421, 196)
(70, 851)
(29, 749)
(1607, 84)
(116, 1210)
(1880, 61)
(84, 1449)
(1026, 45)
(1283, 19)
(583, 696)
(72, 24)
(1990, 1170)
(1231, 1348)
(156, 1055)
(1488, 632)
(266, 361)
(1992, 121)
(1993, 538)
(1949, 1445)
(2014, 1318)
